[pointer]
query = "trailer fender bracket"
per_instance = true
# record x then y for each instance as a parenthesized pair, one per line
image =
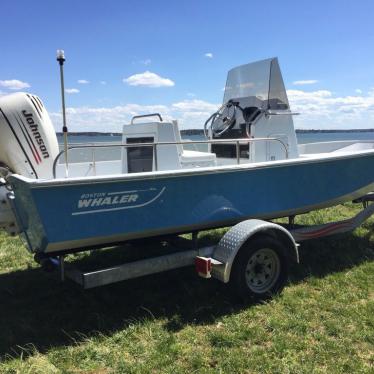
(230, 244)
(204, 266)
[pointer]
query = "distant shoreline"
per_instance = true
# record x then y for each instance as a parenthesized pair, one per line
(201, 132)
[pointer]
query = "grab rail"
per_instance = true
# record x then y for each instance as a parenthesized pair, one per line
(146, 115)
(154, 146)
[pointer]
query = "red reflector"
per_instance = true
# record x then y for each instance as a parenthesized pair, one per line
(203, 266)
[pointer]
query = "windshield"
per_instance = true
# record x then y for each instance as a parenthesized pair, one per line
(261, 82)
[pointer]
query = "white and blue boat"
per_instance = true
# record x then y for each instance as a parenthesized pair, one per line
(249, 166)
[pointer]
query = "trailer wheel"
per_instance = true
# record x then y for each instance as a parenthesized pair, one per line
(260, 269)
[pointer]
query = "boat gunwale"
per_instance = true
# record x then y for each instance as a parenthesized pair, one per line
(162, 174)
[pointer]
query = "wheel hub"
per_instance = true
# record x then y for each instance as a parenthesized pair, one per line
(262, 271)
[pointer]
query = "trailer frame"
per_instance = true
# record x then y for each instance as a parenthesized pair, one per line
(214, 260)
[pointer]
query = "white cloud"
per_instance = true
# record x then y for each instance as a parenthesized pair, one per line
(189, 113)
(146, 62)
(191, 94)
(304, 82)
(83, 81)
(14, 84)
(322, 109)
(103, 83)
(208, 55)
(357, 90)
(148, 79)
(71, 90)
(194, 105)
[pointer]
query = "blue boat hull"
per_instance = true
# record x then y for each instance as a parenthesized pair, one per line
(61, 215)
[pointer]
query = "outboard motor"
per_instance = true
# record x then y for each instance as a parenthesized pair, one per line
(28, 146)
(28, 141)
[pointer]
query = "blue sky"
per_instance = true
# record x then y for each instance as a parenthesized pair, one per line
(123, 49)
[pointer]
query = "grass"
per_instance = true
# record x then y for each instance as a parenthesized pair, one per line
(175, 322)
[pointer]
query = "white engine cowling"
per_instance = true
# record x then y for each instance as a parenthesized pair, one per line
(28, 141)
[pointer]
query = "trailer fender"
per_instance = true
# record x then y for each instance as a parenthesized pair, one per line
(231, 243)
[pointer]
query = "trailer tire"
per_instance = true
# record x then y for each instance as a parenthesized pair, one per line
(260, 269)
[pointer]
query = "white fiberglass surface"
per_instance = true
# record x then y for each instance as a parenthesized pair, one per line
(86, 169)
(311, 151)
(350, 146)
(222, 165)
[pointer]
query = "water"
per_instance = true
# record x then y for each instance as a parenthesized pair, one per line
(115, 152)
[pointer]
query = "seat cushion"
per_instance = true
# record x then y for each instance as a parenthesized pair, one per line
(195, 156)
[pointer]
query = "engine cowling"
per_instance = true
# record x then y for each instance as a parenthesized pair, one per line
(28, 141)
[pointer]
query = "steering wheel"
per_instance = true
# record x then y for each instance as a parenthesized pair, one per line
(223, 120)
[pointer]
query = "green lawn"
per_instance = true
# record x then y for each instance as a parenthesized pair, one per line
(176, 322)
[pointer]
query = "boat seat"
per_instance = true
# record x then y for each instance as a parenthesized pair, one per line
(195, 156)
(192, 158)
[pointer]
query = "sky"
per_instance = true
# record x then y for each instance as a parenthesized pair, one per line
(125, 58)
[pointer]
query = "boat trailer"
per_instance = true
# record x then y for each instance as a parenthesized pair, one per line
(224, 260)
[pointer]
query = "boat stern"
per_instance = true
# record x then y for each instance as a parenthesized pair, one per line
(19, 215)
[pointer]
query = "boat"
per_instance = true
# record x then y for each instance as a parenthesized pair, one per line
(249, 165)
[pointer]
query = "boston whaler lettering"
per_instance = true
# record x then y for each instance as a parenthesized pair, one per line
(116, 200)
(247, 171)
